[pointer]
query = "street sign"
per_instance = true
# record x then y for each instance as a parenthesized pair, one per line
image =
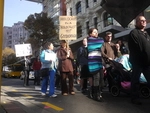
(67, 28)
(23, 50)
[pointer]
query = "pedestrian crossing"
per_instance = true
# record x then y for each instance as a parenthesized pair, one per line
(38, 88)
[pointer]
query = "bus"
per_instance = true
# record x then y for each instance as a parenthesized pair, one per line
(13, 70)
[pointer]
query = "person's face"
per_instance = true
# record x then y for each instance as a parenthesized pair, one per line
(63, 44)
(141, 22)
(94, 33)
(119, 42)
(108, 38)
(85, 42)
(51, 47)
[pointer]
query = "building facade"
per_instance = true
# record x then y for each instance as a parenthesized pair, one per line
(14, 35)
(91, 15)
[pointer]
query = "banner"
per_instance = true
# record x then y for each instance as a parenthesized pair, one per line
(67, 28)
(23, 50)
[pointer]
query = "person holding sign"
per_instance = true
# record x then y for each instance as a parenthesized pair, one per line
(48, 69)
(65, 57)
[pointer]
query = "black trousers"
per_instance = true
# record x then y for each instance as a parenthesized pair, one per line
(26, 78)
(137, 70)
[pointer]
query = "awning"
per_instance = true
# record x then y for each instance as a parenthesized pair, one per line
(124, 11)
(111, 28)
(125, 34)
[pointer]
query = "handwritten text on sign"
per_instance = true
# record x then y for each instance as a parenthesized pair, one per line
(23, 50)
(67, 28)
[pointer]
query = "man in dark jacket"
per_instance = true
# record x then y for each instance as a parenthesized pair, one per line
(139, 47)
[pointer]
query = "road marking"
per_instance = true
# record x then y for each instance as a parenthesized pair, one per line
(52, 106)
(28, 96)
(14, 90)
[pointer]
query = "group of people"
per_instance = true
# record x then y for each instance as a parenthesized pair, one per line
(93, 57)
(96, 54)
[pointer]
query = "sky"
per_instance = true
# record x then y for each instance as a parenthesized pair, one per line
(19, 10)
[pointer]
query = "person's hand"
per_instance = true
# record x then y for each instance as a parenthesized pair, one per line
(118, 47)
(68, 53)
(68, 56)
(110, 58)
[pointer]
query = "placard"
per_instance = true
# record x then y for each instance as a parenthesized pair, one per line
(23, 50)
(67, 28)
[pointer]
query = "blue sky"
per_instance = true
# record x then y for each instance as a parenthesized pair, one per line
(19, 10)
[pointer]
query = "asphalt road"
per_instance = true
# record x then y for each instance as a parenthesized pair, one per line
(30, 99)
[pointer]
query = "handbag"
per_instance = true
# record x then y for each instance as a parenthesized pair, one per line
(44, 72)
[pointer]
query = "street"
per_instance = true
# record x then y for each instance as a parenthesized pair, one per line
(30, 100)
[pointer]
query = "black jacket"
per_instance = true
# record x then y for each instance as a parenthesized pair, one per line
(139, 47)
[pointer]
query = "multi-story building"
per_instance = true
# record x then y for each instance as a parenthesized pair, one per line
(14, 35)
(89, 14)
(7, 40)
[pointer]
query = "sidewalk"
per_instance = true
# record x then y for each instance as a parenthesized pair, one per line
(2, 110)
(8, 105)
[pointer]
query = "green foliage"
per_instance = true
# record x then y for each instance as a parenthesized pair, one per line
(41, 28)
(8, 56)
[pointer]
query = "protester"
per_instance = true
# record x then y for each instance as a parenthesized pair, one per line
(27, 69)
(110, 51)
(82, 59)
(65, 57)
(49, 63)
(121, 45)
(124, 59)
(36, 67)
(95, 62)
(139, 56)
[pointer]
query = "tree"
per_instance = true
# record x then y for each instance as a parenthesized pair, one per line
(42, 29)
(9, 56)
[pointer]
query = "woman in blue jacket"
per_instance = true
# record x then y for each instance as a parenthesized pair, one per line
(49, 62)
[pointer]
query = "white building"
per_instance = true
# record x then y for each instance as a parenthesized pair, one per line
(7, 37)
(91, 15)
(14, 35)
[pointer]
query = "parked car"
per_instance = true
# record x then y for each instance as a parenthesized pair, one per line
(31, 75)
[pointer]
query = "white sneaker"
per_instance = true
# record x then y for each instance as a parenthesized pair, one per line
(43, 94)
(53, 96)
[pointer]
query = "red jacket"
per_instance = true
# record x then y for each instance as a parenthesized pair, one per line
(36, 65)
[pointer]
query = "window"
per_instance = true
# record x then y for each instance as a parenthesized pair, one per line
(108, 20)
(79, 31)
(78, 7)
(87, 3)
(87, 26)
(95, 22)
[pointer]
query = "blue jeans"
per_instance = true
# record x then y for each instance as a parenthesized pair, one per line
(51, 80)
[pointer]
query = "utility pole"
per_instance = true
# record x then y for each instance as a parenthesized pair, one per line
(1, 39)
